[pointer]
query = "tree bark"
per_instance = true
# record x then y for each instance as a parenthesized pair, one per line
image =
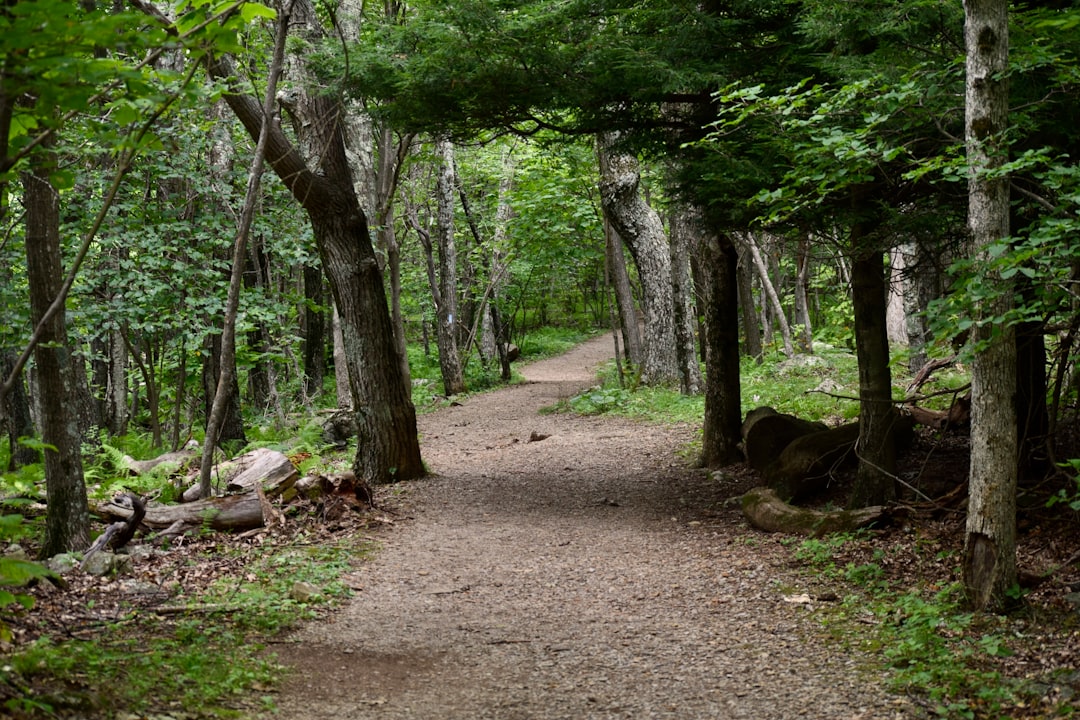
(314, 314)
(67, 523)
(805, 335)
(686, 229)
(387, 449)
(751, 323)
(875, 478)
(19, 422)
(624, 295)
(723, 392)
(640, 228)
(989, 566)
(230, 427)
(446, 305)
(770, 293)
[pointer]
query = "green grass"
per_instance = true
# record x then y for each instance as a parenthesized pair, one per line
(206, 659)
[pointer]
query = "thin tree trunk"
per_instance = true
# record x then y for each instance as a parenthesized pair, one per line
(624, 295)
(802, 305)
(751, 321)
(67, 523)
(686, 227)
(391, 159)
(20, 423)
(770, 293)
(227, 362)
(446, 306)
(314, 314)
(989, 567)
(640, 228)
(342, 382)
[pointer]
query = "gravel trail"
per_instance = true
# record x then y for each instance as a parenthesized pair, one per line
(563, 567)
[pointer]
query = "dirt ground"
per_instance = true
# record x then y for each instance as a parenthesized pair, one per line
(555, 566)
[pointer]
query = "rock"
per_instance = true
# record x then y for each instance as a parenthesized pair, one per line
(15, 551)
(63, 563)
(305, 592)
(107, 563)
(797, 362)
(340, 428)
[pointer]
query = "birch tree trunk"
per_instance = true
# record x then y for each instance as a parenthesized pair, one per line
(802, 304)
(640, 228)
(446, 306)
(989, 566)
(770, 293)
(67, 523)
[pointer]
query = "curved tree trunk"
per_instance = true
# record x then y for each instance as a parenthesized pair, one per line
(770, 293)
(640, 228)
(990, 541)
(750, 318)
(67, 524)
(388, 449)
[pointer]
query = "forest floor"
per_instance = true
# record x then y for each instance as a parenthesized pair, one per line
(558, 566)
(563, 567)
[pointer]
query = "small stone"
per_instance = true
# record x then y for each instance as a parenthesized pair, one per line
(15, 551)
(305, 592)
(106, 563)
(62, 563)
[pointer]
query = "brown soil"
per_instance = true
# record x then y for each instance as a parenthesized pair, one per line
(556, 566)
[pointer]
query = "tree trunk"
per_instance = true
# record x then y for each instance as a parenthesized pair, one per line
(342, 383)
(802, 306)
(446, 306)
(876, 448)
(19, 422)
(989, 566)
(387, 448)
(641, 229)
(751, 323)
(67, 523)
(260, 390)
(314, 324)
(231, 427)
(624, 295)
(391, 158)
(686, 229)
(723, 393)
(770, 293)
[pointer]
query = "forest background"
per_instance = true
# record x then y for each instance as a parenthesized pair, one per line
(742, 179)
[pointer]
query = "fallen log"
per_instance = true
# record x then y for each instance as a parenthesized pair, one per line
(766, 433)
(230, 512)
(766, 511)
(270, 468)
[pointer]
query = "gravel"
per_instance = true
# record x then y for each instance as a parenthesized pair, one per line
(586, 574)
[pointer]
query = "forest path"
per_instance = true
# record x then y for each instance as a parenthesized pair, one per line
(590, 574)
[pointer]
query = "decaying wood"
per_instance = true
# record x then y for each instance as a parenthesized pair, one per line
(180, 458)
(231, 512)
(806, 464)
(957, 417)
(269, 468)
(926, 371)
(766, 433)
(766, 511)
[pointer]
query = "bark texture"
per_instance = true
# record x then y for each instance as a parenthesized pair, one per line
(67, 524)
(686, 230)
(723, 390)
(641, 229)
(445, 288)
(874, 480)
(388, 449)
(624, 296)
(990, 541)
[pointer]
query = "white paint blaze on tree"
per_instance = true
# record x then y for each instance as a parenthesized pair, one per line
(990, 541)
(641, 229)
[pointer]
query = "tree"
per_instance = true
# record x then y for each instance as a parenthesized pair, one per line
(67, 525)
(989, 566)
(387, 448)
(640, 227)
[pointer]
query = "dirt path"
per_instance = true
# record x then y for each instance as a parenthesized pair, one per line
(586, 575)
